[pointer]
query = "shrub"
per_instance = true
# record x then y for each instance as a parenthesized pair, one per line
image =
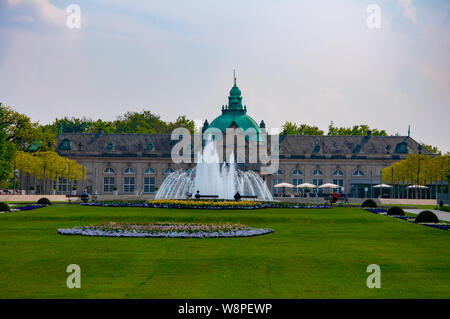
(395, 211)
(369, 203)
(44, 201)
(4, 207)
(427, 216)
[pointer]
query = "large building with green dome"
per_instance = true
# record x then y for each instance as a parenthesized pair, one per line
(137, 164)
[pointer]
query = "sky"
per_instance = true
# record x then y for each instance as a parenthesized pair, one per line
(302, 61)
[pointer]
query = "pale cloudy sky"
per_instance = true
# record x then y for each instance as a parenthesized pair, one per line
(304, 61)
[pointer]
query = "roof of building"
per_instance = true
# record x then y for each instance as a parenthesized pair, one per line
(300, 146)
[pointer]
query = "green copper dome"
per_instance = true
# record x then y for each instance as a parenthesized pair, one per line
(234, 112)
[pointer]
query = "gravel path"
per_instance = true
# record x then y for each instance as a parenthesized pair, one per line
(439, 213)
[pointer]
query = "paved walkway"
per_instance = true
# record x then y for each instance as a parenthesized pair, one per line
(439, 213)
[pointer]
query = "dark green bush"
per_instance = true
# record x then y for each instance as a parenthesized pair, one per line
(44, 201)
(427, 216)
(369, 203)
(4, 207)
(395, 211)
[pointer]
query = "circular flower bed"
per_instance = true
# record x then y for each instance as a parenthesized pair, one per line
(173, 230)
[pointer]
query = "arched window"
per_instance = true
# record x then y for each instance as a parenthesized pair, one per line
(358, 173)
(129, 170)
(150, 146)
(149, 171)
(317, 172)
(279, 172)
(297, 172)
(168, 171)
(338, 172)
(108, 170)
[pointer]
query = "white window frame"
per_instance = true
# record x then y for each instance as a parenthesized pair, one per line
(129, 184)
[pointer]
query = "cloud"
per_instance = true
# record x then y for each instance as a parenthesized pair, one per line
(409, 10)
(41, 10)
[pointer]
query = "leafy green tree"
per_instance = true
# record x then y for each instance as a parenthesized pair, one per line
(144, 122)
(182, 121)
(7, 151)
(432, 149)
(24, 134)
(70, 125)
(290, 128)
(305, 129)
(356, 130)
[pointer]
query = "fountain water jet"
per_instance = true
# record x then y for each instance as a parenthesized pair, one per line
(211, 178)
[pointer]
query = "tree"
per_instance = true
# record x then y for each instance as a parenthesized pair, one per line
(290, 128)
(6, 152)
(24, 134)
(432, 149)
(72, 125)
(356, 130)
(182, 121)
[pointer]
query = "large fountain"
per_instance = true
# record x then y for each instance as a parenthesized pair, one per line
(212, 178)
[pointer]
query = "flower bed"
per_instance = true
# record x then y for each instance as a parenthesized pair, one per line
(172, 230)
(23, 208)
(381, 211)
(203, 204)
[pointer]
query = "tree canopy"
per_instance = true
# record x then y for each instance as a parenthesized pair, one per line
(291, 128)
(131, 122)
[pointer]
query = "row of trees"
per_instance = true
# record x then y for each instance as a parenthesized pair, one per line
(29, 148)
(45, 167)
(130, 122)
(418, 169)
(291, 128)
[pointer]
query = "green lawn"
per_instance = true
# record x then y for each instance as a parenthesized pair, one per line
(313, 253)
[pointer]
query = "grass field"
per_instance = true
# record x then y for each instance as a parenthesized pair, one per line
(313, 253)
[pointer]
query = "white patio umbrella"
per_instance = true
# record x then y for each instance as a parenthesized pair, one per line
(329, 185)
(306, 185)
(382, 186)
(284, 185)
(417, 186)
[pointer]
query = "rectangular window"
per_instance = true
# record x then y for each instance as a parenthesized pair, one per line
(295, 182)
(108, 184)
(276, 190)
(128, 184)
(317, 182)
(62, 185)
(339, 182)
(149, 185)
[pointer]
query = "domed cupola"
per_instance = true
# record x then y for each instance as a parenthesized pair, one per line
(235, 113)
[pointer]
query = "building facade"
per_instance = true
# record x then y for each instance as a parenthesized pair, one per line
(130, 164)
